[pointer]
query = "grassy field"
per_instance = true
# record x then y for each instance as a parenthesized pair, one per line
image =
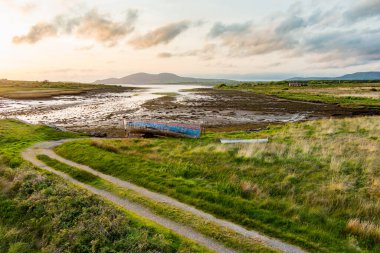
(315, 184)
(37, 90)
(345, 94)
(16, 136)
(223, 235)
(41, 213)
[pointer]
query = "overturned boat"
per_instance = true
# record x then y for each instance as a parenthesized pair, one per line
(151, 128)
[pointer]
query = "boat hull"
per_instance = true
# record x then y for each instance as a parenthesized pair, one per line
(165, 129)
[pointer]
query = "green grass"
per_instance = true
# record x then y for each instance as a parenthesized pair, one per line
(223, 235)
(41, 213)
(306, 186)
(16, 136)
(317, 92)
(46, 89)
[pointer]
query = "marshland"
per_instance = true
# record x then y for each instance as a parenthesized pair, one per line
(190, 126)
(314, 184)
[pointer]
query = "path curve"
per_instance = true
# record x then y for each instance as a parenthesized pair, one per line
(31, 156)
(46, 149)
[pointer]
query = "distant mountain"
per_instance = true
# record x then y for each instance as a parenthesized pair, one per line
(163, 78)
(354, 76)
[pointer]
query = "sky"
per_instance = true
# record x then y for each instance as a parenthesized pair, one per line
(86, 40)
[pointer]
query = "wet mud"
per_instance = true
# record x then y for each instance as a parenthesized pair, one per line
(228, 110)
(216, 110)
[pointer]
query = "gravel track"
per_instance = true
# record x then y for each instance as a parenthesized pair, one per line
(46, 149)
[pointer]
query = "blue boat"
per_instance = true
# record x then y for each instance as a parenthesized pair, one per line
(165, 129)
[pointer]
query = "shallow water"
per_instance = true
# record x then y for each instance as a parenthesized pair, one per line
(108, 110)
(85, 111)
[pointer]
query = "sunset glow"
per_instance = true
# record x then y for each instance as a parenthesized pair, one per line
(83, 40)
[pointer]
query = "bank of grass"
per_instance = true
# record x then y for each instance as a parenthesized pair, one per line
(37, 90)
(16, 136)
(225, 236)
(41, 213)
(306, 186)
(314, 92)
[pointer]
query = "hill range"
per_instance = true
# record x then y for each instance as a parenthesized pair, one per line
(162, 78)
(355, 76)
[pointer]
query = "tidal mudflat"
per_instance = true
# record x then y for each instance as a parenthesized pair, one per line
(214, 109)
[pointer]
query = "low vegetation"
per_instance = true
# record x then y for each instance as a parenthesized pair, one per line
(349, 94)
(315, 184)
(16, 136)
(41, 213)
(169, 94)
(227, 237)
(46, 89)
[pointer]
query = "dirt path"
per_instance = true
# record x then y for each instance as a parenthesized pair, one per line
(46, 148)
(31, 156)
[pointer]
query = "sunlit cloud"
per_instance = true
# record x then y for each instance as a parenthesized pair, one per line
(91, 25)
(253, 35)
(36, 33)
(21, 7)
(161, 35)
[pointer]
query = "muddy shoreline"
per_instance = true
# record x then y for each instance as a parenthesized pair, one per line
(241, 110)
(215, 110)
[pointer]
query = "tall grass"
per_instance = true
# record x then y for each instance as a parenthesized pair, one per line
(41, 213)
(305, 185)
(365, 229)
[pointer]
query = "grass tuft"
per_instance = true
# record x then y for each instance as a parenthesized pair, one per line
(364, 229)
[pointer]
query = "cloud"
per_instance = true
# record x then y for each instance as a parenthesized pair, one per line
(362, 10)
(37, 32)
(85, 48)
(162, 35)
(322, 36)
(243, 39)
(219, 29)
(346, 48)
(165, 55)
(23, 8)
(92, 25)
(68, 70)
(290, 24)
(207, 52)
(257, 43)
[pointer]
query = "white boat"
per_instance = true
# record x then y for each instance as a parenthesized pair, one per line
(230, 141)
